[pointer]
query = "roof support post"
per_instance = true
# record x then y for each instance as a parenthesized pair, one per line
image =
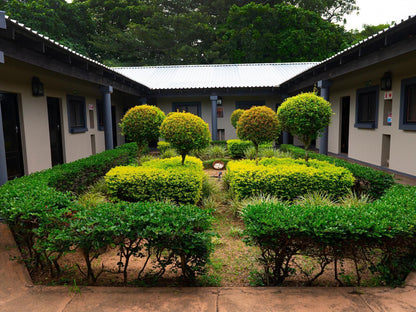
(324, 85)
(143, 100)
(108, 124)
(214, 127)
(3, 163)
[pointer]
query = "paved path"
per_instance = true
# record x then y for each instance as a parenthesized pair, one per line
(18, 294)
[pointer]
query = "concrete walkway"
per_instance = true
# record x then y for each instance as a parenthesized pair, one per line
(18, 294)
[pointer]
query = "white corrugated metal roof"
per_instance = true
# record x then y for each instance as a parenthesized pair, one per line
(214, 76)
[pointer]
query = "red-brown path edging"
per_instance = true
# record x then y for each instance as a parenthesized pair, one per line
(18, 294)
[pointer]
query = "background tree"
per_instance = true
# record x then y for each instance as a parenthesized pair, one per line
(283, 33)
(304, 116)
(259, 125)
(235, 116)
(68, 23)
(368, 30)
(141, 125)
(185, 132)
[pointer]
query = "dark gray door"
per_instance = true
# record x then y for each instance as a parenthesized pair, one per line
(12, 139)
(345, 124)
(55, 134)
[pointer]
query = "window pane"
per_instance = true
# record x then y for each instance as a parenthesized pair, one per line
(367, 107)
(411, 103)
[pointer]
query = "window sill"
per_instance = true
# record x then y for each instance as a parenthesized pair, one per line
(409, 127)
(366, 125)
(78, 130)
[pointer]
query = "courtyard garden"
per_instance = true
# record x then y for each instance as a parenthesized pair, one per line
(266, 216)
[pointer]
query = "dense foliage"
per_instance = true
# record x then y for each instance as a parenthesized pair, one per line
(185, 132)
(286, 178)
(156, 180)
(304, 116)
(367, 180)
(331, 234)
(158, 32)
(141, 125)
(235, 116)
(259, 125)
(48, 223)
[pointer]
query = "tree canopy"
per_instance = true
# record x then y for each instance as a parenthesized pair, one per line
(163, 32)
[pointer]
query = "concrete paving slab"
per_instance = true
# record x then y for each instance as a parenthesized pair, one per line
(291, 299)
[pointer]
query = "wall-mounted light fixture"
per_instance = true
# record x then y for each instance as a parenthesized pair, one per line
(37, 87)
(219, 101)
(386, 82)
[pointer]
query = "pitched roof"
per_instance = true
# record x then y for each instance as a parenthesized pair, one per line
(214, 76)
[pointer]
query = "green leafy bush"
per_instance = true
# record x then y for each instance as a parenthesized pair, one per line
(304, 116)
(386, 227)
(78, 175)
(367, 180)
(259, 125)
(238, 147)
(185, 132)
(141, 125)
(163, 146)
(157, 180)
(286, 178)
(235, 116)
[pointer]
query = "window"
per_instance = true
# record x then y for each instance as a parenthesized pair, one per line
(248, 104)
(189, 107)
(220, 112)
(100, 115)
(77, 114)
(221, 135)
(408, 105)
(366, 109)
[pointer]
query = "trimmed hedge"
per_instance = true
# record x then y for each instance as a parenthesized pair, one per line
(162, 146)
(156, 180)
(78, 175)
(386, 227)
(50, 223)
(238, 147)
(367, 180)
(286, 178)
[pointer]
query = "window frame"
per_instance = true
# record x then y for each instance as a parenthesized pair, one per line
(403, 124)
(367, 124)
(242, 104)
(175, 106)
(77, 100)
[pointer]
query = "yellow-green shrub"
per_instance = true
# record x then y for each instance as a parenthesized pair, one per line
(286, 178)
(157, 180)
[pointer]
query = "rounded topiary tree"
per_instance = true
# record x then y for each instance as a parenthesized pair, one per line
(259, 125)
(304, 116)
(185, 132)
(235, 116)
(141, 125)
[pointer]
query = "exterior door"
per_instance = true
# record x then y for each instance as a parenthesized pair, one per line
(345, 123)
(12, 139)
(55, 134)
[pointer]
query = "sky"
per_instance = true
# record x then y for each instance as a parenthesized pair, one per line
(375, 12)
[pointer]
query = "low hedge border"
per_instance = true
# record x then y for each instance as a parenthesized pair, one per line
(286, 178)
(368, 180)
(49, 223)
(329, 234)
(237, 148)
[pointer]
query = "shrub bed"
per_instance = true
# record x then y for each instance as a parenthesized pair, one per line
(286, 178)
(329, 234)
(237, 148)
(367, 180)
(156, 180)
(48, 223)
